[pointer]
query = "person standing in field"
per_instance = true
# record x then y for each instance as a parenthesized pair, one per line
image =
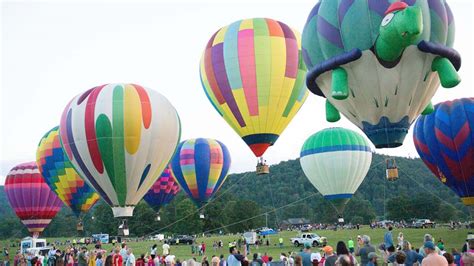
(388, 238)
(166, 249)
(117, 259)
(130, 258)
(350, 245)
(363, 249)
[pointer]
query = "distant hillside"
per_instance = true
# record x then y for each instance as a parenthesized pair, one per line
(286, 184)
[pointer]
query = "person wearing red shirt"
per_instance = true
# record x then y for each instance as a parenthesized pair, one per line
(117, 258)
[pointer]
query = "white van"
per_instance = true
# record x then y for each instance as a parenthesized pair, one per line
(33, 246)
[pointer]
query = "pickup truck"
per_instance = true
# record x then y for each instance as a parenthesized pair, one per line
(181, 239)
(304, 238)
(423, 223)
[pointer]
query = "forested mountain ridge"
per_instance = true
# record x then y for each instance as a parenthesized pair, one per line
(284, 193)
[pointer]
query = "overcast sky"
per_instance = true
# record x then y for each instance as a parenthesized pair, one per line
(52, 51)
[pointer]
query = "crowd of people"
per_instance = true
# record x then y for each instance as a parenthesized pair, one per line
(358, 251)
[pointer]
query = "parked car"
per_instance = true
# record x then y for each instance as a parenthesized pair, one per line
(423, 223)
(306, 228)
(311, 238)
(181, 239)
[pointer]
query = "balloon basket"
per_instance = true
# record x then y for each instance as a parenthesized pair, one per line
(392, 170)
(80, 226)
(262, 167)
(123, 228)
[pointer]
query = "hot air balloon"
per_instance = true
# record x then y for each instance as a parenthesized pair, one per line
(253, 73)
(336, 161)
(200, 166)
(163, 191)
(119, 138)
(61, 177)
(380, 62)
(31, 198)
(445, 142)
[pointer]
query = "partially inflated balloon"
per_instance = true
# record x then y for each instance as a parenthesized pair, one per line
(253, 73)
(60, 175)
(31, 198)
(163, 190)
(445, 142)
(200, 166)
(120, 137)
(336, 161)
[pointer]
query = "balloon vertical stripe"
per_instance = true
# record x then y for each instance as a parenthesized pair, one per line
(145, 104)
(133, 117)
(90, 129)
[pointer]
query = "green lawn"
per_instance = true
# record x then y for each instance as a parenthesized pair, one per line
(451, 238)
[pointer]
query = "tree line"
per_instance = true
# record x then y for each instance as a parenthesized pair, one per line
(282, 194)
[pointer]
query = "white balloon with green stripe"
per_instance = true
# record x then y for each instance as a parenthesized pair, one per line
(336, 161)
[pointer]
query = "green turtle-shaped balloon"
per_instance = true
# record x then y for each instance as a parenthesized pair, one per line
(380, 62)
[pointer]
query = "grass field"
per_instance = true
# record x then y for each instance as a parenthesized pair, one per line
(451, 238)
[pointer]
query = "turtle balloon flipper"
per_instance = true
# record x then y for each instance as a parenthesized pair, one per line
(428, 109)
(332, 114)
(447, 73)
(340, 84)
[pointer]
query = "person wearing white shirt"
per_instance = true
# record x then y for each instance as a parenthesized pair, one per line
(166, 249)
(130, 258)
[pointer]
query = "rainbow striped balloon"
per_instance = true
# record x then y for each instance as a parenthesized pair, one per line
(31, 198)
(253, 73)
(200, 166)
(60, 175)
(120, 137)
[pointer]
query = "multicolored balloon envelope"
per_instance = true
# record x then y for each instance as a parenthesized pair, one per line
(61, 177)
(336, 161)
(379, 62)
(445, 142)
(119, 138)
(163, 190)
(200, 166)
(31, 198)
(253, 74)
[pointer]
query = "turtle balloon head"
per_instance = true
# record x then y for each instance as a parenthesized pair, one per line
(401, 27)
